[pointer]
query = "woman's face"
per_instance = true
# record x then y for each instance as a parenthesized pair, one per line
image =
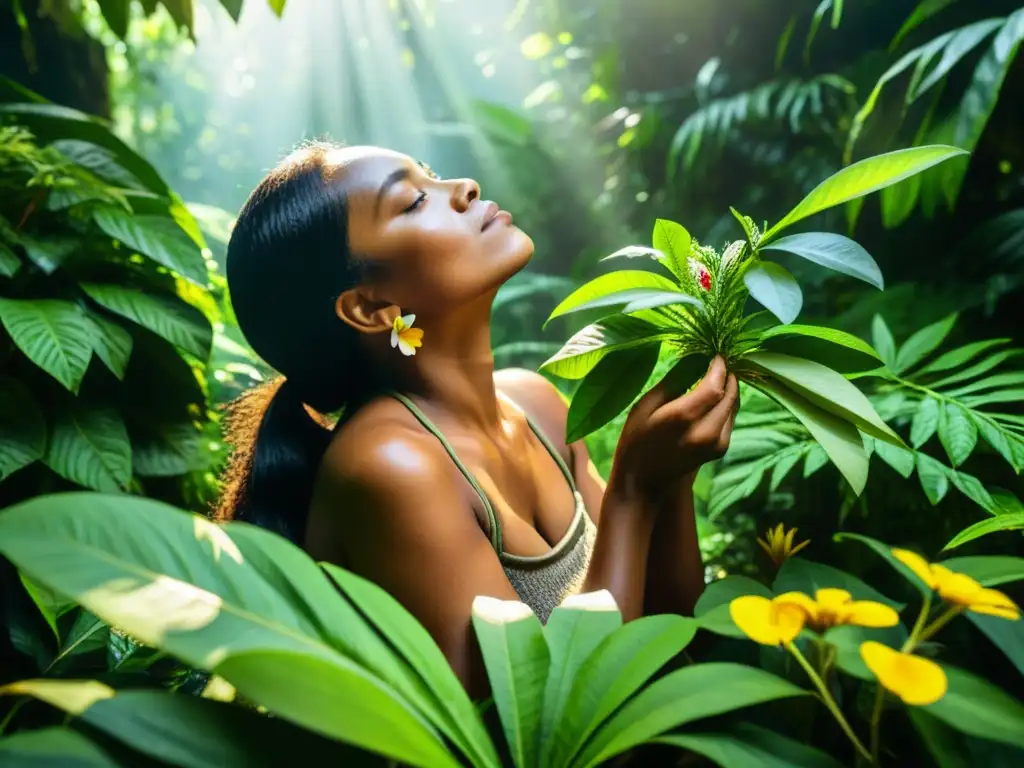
(434, 243)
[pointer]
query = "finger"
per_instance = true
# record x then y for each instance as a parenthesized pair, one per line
(730, 422)
(674, 384)
(719, 417)
(703, 398)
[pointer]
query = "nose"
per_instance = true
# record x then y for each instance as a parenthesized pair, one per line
(464, 193)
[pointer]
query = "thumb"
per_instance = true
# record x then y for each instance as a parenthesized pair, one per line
(675, 383)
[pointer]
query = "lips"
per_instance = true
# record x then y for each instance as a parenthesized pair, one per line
(493, 214)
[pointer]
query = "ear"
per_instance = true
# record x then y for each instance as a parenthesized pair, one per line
(364, 313)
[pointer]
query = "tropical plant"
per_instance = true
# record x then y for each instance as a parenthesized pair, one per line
(700, 312)
(929, 397)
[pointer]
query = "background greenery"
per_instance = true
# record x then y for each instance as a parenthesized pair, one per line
(588, 120)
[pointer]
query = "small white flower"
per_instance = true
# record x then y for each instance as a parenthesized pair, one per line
(404, 336)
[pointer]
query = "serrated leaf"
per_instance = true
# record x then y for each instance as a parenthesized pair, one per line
(179, 323)
(926, 421)
(863, 178)
(111, 343)
(89, 446)
(835, 252)
(957, 433)
(923, 343)
(934, 478)
(587, 347)
(53, 334)
(598, 291)
(23, 438)
(609, 389)
(900, 459)
(957, 357)
(882, 340)
(158, 237)
(772, 286)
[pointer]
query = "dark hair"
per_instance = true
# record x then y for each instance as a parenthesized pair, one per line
(287, 262)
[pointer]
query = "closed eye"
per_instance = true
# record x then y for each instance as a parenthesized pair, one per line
(416, 203)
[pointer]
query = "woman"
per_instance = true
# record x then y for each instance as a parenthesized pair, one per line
(445, 479)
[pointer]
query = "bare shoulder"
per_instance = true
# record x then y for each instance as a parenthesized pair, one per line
(532, 392)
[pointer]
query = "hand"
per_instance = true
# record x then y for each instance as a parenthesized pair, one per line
(666, 440)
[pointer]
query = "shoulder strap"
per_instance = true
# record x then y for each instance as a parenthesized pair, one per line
(492, 519)
(554, 453)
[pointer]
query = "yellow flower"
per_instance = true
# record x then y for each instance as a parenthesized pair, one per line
(833, 607)
(915, 680)
(404, 336)
(958, 588)
(769, 622)
(779, 544)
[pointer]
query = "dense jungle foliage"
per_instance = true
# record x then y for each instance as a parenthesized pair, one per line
(885, 630)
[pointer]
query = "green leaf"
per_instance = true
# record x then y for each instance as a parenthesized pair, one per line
(172, 319)
(618, 289)
(839, 338)
(863, 178)
(772, 286)
(157, 237)
(999, 439)
(53, 747)
(724, 591)
(926, 421)
(587, 347)
(923, 343)
(881, 338)
(962, 42)
(825, 388)
(976, 707)
(816, 459)
(934, 478)
(783, 466)
(277, 6)
(233, 7)
(89, 446)
(111, 343)
(166, 449)
(986, 365)
(115, 12)
(798, 574)
(1007, 636)
(957, 432)
(924, 11)
(746, 224)
(681, 697)
(945, 745)
(48, 253)
(23, 439)
(885, 552)
(53, 334)
(573, 632)
(609, 389)
(900, 459)
(178, 583)
(746, 745)
(835, 252)
(838, 437)
(9, 262)
(87, 634)
(516, 657)
(675, 242)
(988, 570)
(620, 666)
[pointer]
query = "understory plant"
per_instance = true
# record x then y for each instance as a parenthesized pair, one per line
(349, 677)
(699, 310)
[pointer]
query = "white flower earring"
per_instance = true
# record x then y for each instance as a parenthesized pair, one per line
(404, 336)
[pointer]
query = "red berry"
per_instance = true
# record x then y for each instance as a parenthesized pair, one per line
(705, 280)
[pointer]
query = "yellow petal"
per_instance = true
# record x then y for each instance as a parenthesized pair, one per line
(765, 621)
(915, 680)
(994, 603)
(799, 599)
(787, 544)
(917, 564)
(798, 547)
(956, 588)
(413, 336)
(398, 325)
(766, 548)
(867, 613)
(831, 598)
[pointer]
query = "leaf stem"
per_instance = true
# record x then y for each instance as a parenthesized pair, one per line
(876, 720)
(951, 613)
(915, 634)
(829, 702)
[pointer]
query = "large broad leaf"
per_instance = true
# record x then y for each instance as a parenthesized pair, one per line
(988, 570)
(962, 42)
(976, 707)
(157, 237)
(49, 252)
(587, 347)
(620, 665)
(885, 551)
(609, 389)
(838, 253)
(111, 343)
(23, 439)
(166, 449)
(99, 160)
(683, 696)
(186, 730)
(675, 242)
(9, 261)
(516, 657)
(1007, 636)
(53, 747)
(89, 446)
(53, 334)
(838, 437)
(806, 341)
(863, 178)
(574, 630)
(178, 583)
(826, 389)
(617, 289)
(724, 591)
(181, 324)
(923, 343)
(746, 745)
(50, 122)
(799, 574)
(772, 286)
(115, 13)
(1013, 521)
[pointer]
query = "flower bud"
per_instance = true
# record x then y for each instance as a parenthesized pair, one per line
(700, 273)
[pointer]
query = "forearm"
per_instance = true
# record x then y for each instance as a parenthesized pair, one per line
(619, 560)
(675, 569)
